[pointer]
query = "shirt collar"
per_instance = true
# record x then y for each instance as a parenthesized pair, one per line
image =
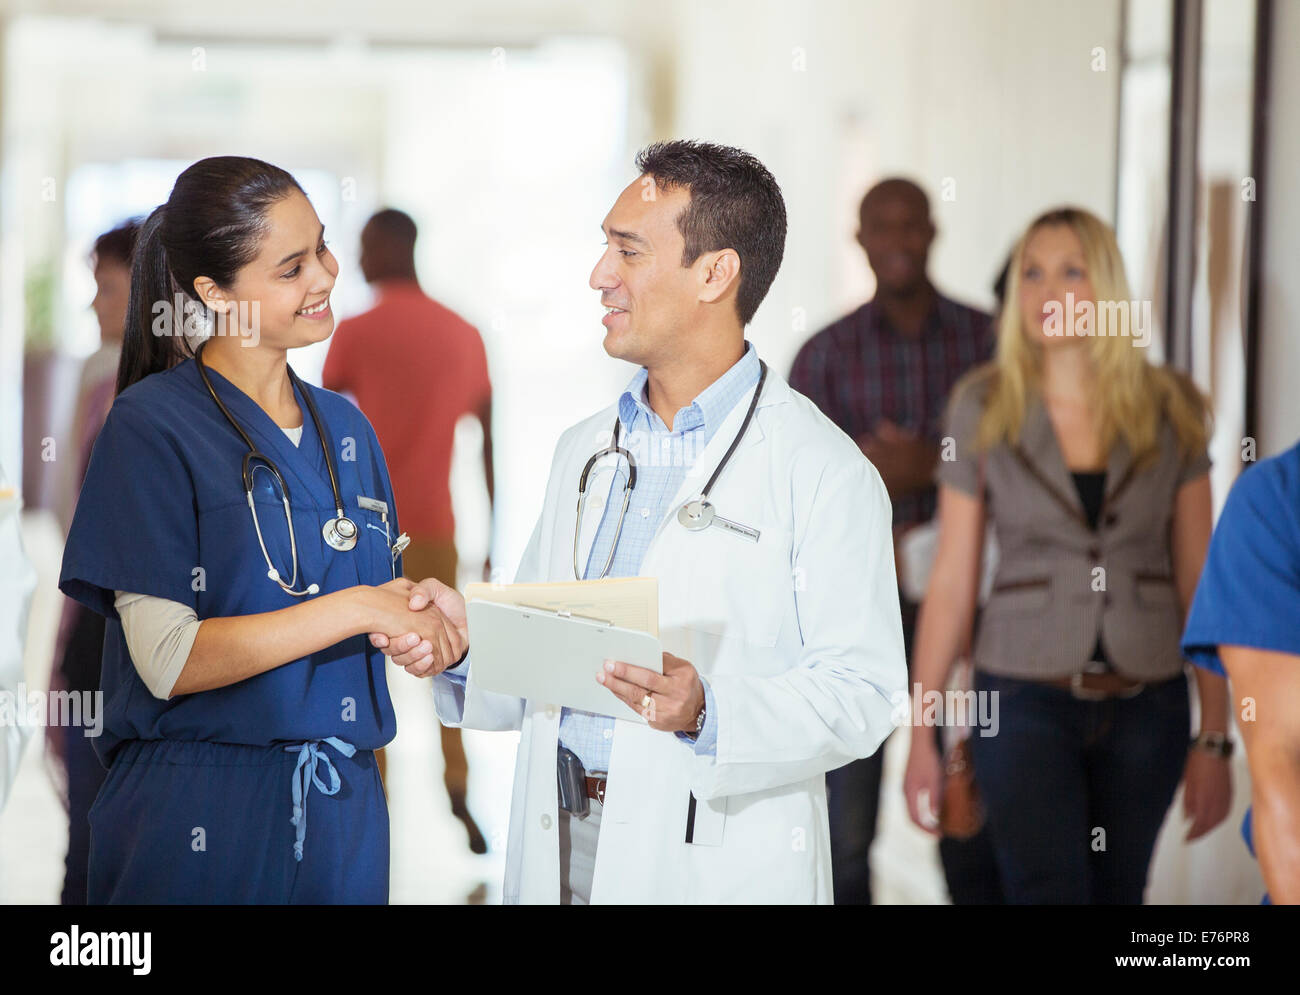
(709, 409)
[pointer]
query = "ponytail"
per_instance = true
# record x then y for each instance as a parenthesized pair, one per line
(151, 342)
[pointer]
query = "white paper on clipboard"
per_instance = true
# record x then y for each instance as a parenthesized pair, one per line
(546, 656)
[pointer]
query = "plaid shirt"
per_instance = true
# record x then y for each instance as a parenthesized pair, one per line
(860, 371)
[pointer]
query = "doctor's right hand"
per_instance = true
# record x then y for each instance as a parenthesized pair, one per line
(419, 655)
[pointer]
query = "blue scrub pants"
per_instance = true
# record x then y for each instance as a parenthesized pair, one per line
(211, 823)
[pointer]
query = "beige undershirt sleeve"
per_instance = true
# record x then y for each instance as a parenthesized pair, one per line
(160, 634)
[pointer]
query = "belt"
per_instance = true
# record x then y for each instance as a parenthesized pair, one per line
(1098, 687)
(596, 788)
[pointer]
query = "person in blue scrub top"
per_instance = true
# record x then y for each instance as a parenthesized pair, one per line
(1244, 624)
(237, 530)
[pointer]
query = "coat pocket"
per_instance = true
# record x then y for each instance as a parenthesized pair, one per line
(705, 821)
(1021, 596)
(741, 589)
(1155, 591)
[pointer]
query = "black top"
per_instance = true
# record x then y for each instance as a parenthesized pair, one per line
(1091, 487)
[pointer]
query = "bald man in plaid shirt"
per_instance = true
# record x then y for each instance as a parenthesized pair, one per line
(883, 374)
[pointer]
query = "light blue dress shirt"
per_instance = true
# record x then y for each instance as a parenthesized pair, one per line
(663, 458)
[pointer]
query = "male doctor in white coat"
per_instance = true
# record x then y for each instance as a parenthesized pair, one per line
(783, 640)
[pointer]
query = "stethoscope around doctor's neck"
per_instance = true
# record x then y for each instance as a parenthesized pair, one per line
(695, 515)
(340, 532)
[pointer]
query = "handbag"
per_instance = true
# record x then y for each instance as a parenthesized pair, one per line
(961, 813)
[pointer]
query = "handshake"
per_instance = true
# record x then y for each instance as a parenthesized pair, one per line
(422, 627)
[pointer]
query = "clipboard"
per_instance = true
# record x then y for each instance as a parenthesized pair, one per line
(554, 656)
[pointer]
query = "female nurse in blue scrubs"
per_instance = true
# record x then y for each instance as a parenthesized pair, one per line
(240, 690)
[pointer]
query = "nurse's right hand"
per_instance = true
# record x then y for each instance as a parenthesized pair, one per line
(401, 619)
(420, 656)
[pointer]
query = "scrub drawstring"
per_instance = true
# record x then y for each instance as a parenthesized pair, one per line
(309, 754)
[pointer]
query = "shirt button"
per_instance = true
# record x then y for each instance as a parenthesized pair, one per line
(546, 821)
(609, 733)
(550, 712)
(598, 502)
(645, 512)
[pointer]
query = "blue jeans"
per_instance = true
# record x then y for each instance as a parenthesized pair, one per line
(1076, 791)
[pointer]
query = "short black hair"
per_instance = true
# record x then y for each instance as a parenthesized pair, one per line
(394, 225)
(735, 204)
(117, 244)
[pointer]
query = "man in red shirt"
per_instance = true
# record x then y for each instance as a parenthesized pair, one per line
(410, 332)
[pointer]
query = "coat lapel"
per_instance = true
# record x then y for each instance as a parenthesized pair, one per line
(1119, 469)
(1040, 454)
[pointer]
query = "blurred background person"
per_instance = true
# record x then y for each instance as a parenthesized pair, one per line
(1245, 623)
(408, 334)
(81, 631)
(882, 374)
(1092, 465)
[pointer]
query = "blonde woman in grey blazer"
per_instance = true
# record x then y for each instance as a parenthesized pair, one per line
(1090, 462)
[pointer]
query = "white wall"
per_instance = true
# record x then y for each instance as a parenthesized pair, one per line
(1279, 356)
(998, 96)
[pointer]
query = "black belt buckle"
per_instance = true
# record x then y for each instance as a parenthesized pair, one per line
(572, 778)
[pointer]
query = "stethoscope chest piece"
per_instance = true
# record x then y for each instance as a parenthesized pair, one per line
(340, 533)
(696, 515)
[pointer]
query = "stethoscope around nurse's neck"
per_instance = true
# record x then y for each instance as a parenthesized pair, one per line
(340, 532)
(695, 515)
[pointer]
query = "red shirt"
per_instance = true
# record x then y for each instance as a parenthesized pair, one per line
(414, 367)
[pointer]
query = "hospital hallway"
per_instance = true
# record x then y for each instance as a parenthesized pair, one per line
(455, 185)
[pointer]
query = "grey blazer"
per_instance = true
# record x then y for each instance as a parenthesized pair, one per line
(1059, 584)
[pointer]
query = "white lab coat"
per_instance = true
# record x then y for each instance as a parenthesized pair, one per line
(17, 581)
(799, 636)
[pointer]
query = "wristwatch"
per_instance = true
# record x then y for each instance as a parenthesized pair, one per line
(699, 719)
(1217, 743)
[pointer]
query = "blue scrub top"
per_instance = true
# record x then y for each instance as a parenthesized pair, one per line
(1249, 591)
(163, 512)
